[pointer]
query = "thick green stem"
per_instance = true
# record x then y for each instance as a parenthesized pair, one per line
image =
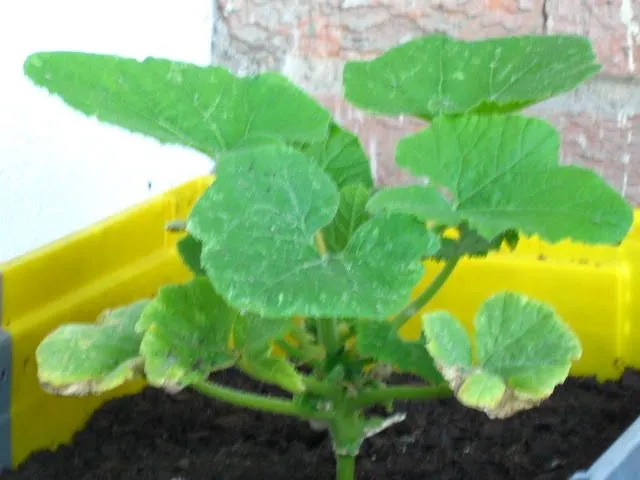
(322, 389)
(345, 467)
(426, 296)
(384, 395)
(329, 335)
(347, 434)
(257, 402)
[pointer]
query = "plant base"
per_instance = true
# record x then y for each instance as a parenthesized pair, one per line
(153, 435)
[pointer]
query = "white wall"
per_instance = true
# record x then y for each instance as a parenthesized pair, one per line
(59, 170)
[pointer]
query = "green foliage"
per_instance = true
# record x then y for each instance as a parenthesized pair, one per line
(515, 183)
(342, 157)
(205, 108)
(437, 75)
(81, 359)
(190, 251)
(350, 216)
(294, 247)
(253, 336)
(471, 244)
(522, 352)
(272, 259)
(187, 330)
(382, 343)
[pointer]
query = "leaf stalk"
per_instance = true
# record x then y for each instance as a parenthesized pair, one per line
(425, 297)
(381, 396)
(258, 402)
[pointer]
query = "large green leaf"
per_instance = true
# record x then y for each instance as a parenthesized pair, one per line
(503, 173)
(205, 108)
(259, 225)
(252, 332)
(438, 75)
(187, 333)
(523, 351)
(351, 214)
(341, 155)
(380, 341)
(83, 359)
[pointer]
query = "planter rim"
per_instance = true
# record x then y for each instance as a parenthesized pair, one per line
(621, 461)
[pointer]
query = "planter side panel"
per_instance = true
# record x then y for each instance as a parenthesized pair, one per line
(117, 261)
(630, 331)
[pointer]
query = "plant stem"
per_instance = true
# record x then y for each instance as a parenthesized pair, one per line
(426, 296)
(368, 398)
(319, 388)
(303, 355)
(257, 402)
(345, 467)
(328, 334)
(320, 243)
(292, 351)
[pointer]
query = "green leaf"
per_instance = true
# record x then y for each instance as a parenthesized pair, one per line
(523, 351)
(205, 108)
(350, 216)
(341, 155)
(380, 341)
(253, 337)
(482, 390)
(503, 173)
(259, 223)
(263, 366)
(187, 332)
(84, 359)
(190, 251)
(252, 332)
(525, 341)
(438, 75)
(447, 340)
(425, 202)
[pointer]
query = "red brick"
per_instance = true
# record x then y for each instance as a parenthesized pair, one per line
(357, 28)
(609, 146)
(310, 40)
(362, 28)
(616, 37)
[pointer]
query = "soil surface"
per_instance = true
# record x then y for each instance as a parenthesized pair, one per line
(155, 436)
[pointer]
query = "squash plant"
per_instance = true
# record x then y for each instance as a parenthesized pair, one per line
(304, 270)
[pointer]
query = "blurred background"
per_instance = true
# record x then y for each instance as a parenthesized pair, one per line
(60, 171)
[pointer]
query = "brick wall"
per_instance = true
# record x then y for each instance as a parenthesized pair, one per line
(309, 41)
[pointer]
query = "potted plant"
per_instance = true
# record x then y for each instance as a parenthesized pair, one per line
(303, 270)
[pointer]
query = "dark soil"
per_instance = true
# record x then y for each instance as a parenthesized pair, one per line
(155, 436)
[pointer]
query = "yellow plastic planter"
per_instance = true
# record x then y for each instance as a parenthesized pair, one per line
(596, 290)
